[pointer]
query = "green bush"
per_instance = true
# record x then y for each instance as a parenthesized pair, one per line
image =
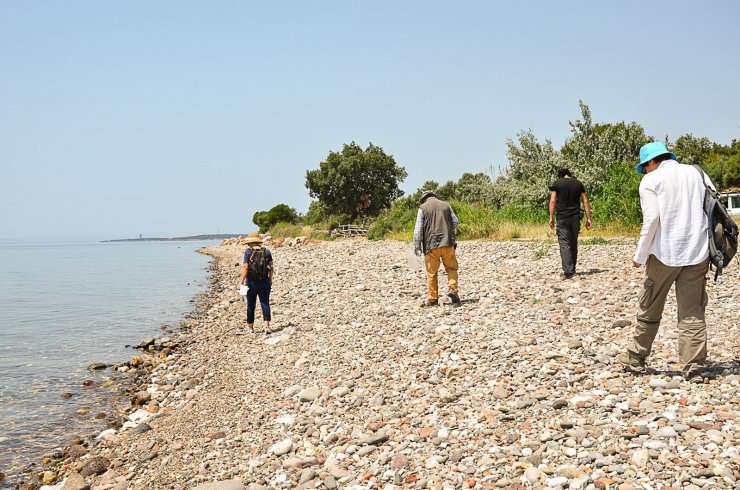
(293, 230)
(400, 218)
(521, 213)
(618, 201)
(476, 221)
(319, 217)
(277, 214)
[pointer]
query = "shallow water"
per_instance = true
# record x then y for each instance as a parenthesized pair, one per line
(63, 307)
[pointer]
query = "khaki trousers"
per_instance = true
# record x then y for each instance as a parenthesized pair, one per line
(691, 300)
(446, 255)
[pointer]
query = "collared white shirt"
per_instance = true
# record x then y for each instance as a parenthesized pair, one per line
(674, 226)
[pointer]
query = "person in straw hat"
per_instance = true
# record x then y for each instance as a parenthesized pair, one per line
(257, 271)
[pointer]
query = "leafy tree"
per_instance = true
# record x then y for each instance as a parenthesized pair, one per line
(591, 152)
(693, 150)
(318, 215)
(532, 165)
(281, 213)
(592, 149)
(447, 191)
(356, 182)
(723, 165)
(618, 201)
(474, 188)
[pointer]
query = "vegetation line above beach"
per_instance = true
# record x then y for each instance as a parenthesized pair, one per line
(361, 186)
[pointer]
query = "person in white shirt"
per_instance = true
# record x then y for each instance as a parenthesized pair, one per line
(674, 248)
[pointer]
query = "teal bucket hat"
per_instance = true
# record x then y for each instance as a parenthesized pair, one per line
(650, 151)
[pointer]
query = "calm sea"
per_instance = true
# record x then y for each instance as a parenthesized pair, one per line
(63, 307)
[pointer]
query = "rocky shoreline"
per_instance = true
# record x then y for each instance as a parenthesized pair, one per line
(357, 386)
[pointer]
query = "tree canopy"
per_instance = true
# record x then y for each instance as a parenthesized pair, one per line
(601, 155)
(356, 182)
(281, 213)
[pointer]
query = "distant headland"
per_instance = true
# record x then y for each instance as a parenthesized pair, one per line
(220, 236)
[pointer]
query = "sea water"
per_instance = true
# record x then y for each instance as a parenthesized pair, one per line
(63, 307)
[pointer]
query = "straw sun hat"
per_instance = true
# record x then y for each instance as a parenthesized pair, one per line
(253, 237)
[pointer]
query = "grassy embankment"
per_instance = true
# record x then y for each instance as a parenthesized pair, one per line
(476, 222)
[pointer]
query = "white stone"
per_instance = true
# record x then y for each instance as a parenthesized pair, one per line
(557, 481)
(140, 415)
(282, 447)
(578, 483)
(640, 458)
(532, 474)
(339, 391)
(105, 433)
(668, 432)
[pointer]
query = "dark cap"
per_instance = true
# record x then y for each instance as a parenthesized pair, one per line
(426, 195)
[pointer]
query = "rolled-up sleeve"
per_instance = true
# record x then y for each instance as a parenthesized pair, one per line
(650, 223)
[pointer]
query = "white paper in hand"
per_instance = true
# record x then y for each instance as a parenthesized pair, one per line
(243, 289)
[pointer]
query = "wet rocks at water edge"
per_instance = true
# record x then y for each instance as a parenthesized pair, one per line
(356, 386)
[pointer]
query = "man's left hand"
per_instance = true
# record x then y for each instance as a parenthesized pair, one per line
(636, 264)
(588, 223)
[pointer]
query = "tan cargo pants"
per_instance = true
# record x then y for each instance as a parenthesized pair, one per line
(691, 300)
(446, 255)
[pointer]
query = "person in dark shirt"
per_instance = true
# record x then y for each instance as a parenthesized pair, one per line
(566, 196)
(257, 288)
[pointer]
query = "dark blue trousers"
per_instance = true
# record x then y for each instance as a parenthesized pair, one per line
(261, 290)
(568, 229)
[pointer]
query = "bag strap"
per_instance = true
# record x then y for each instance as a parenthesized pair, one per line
(702, 173)
(718, 269)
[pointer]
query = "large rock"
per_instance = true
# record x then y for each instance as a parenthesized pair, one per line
(75, 481)
(141, 398)
(309, 394)
(282, 447)
(146, 343)
(95, 466)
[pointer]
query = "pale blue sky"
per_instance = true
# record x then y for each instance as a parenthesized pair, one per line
(178, 118)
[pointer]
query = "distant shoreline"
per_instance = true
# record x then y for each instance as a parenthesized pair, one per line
(176, 239)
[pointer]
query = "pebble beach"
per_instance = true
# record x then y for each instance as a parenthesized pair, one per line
(357, 386)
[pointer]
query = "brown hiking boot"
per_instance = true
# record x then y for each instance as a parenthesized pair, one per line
(632, 363)
(454, 297)
(430, 302)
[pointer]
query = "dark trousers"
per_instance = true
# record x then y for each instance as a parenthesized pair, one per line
(261, 290)
(568, 229)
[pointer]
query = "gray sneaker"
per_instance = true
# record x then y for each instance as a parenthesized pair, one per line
(632, 363)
